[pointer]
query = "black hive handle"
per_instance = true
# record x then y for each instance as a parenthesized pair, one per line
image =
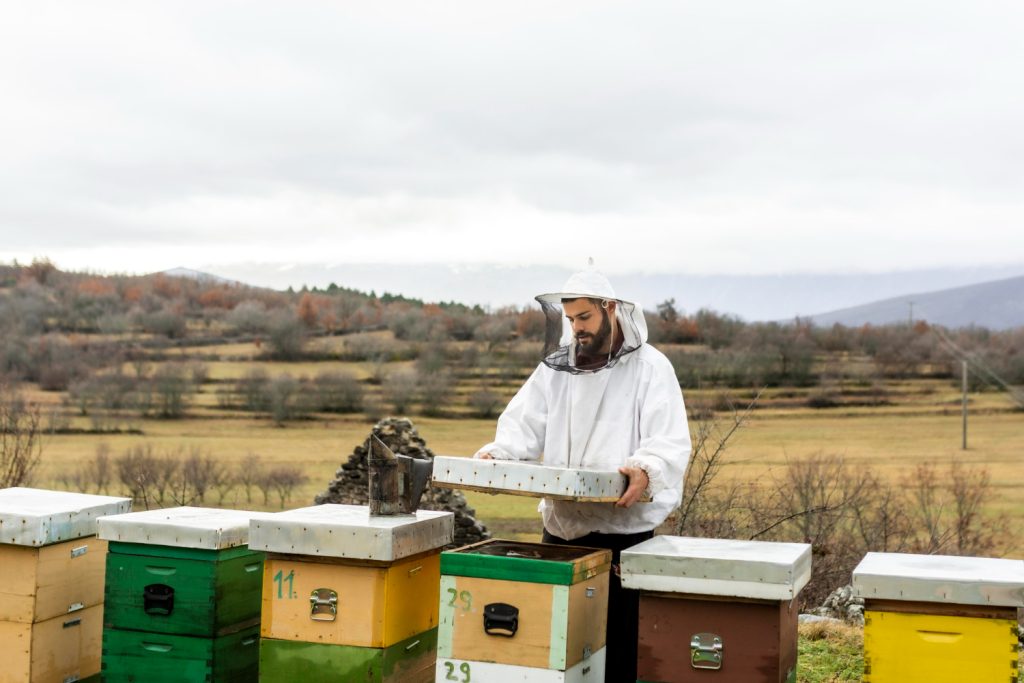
(158, 598)
(501, 619)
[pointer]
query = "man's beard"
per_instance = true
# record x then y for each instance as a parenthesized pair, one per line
(597, 341)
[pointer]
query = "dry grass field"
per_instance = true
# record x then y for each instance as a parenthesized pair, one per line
(891, 427)
(890, 440)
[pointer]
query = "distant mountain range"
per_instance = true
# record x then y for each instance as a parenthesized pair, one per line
(196, 275)
(989, 298)
(996, 305)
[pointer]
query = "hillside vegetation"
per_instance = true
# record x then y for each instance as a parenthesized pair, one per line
(190, 391)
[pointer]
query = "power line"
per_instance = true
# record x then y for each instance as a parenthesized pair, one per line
(980, 368)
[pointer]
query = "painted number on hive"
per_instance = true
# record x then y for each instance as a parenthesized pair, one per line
(280, 580)
(452, 676)
(464, 597)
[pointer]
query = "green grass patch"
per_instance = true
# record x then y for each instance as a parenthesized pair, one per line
(830, 652)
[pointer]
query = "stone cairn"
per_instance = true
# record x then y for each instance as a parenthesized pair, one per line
(352, 480)
(843, 605)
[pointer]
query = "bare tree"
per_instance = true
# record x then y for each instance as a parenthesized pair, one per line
(248, 473)
(484, 402)
(711, 438)
(283, 480)
(21, 445)
(400, 389)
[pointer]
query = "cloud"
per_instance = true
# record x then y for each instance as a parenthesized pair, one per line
(706, 137)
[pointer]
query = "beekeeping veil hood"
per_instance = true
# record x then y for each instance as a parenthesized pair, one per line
(560, 347)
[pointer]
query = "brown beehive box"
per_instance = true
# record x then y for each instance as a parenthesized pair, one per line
(716, 609)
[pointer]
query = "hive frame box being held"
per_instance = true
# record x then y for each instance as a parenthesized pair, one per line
(529, 479)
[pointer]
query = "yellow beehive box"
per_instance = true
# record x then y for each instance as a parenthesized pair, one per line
(939, 619)
(54, 580)
(336, 574)
(66, 648)
(349, 602)
(938, 648)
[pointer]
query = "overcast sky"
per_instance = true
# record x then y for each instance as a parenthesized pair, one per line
(742, 137)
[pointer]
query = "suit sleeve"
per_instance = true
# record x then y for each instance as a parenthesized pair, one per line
(522, 425)
(664, 449)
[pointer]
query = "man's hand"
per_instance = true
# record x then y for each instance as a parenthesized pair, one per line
(638, 482)
(485, 456)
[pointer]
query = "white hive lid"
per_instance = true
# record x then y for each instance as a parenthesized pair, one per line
(182, 527)
(940, 578)
(529, 479)
(350, 531)
(36, 517)
(712, 566)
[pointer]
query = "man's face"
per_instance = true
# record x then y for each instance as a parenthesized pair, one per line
(591, 325)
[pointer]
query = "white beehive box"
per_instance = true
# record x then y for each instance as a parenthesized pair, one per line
(183, 527)
(350, 531)
(37, 517)
(940, 578)
(712, 566)
(529, 479)
(590, 670)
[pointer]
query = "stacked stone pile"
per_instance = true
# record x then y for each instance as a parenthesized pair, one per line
(842, 604)
(351, 482)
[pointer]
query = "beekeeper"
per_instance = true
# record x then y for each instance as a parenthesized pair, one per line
(601, 399)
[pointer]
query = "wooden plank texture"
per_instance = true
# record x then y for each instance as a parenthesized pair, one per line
(759, 640)
(376, 606)
(50, 581)
(208, 596)
(52, 651)
(140, 657)
(590, 670)
(556, 624)
(532, 562)
(409, 661)
(911, 648)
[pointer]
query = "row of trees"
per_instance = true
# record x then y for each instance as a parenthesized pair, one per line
(174, 477)
(41, 307)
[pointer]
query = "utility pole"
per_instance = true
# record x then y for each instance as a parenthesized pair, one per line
(911, 315)
(963, 382)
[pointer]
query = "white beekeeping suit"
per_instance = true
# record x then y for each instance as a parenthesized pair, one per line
(628, 412)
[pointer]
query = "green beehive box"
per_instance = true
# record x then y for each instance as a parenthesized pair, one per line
(140, 657)
(409, 661)
(184, 591)
(181, 571)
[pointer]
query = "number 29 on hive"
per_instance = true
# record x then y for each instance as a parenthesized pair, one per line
(460, 674)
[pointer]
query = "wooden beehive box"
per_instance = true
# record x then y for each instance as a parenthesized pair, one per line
(52, 562)
(144, 657)
(51, 595)
(529, 609)
(336, 574)
(938, 618)
(529, 479)
(184, 571)
(714, 609)
(408, 661)
(65, 648)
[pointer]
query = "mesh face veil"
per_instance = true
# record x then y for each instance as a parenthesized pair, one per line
(627, 325)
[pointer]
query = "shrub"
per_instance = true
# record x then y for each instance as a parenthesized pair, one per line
(338, 392)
